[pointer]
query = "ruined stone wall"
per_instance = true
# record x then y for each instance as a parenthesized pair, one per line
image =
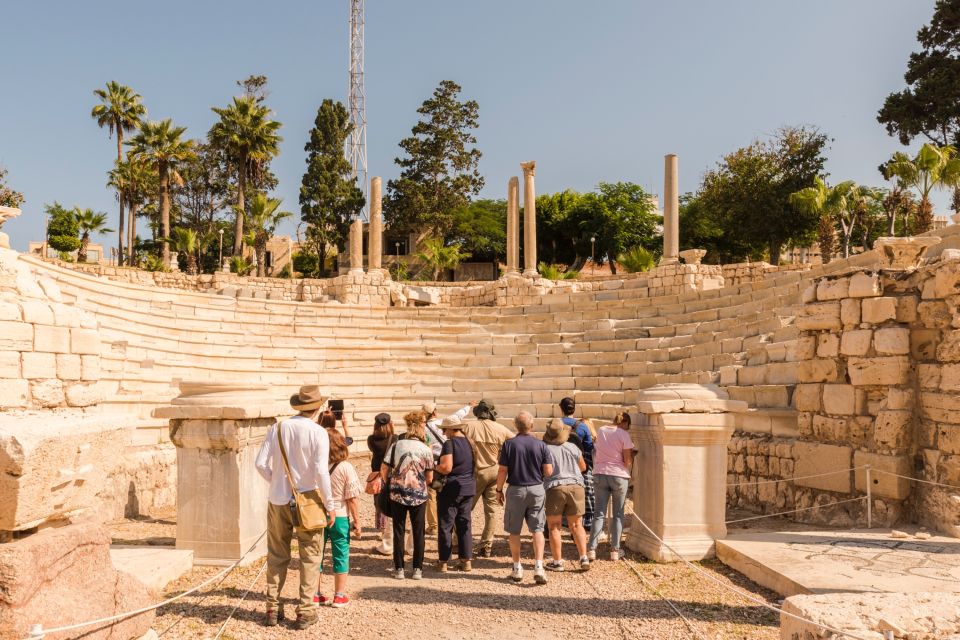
(741, 272)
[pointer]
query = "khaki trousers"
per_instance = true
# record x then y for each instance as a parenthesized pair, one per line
(431, 510)
(279, 534)
(487, 490)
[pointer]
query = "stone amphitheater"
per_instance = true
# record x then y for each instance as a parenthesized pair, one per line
(851, 367)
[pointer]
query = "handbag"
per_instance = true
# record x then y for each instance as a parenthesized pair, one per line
(307, 506)
(374, 484)
(439, 481)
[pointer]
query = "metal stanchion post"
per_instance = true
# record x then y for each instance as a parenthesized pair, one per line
(869, 497)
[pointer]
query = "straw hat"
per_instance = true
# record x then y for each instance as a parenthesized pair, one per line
(453, 423)
(557, 432)
(309, 398)
(429, 408)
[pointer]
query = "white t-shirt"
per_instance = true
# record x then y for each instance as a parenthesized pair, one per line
(345, 484)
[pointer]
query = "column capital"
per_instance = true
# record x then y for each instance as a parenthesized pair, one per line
(529, 168)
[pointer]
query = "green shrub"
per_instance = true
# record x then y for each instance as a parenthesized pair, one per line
(400, 271)
(155, 263)
(636, 259)
(240, 266)
(306, 263)
(557, 272)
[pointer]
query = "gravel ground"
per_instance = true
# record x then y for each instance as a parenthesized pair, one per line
(609, 601)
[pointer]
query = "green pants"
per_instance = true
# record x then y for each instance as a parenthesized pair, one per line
(339, 537)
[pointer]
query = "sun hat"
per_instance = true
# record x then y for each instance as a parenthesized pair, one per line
(485, 410)
(429, 408)
(309, 398)
(557, 432)
(452, 422)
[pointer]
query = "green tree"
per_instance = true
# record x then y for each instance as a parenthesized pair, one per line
(898, 203)
(932, 168)
(120, 110)
(636, 260)
(617, 216)
(439, 170)
(439, 256)
(480, 228)
(8, 197)
(329, 197)
(89, 221)
(134, 180)
(63, 230)
(248, 137)
(556, 231)
(833, 206)
(162, 144)
(185, 241)
(262, 220)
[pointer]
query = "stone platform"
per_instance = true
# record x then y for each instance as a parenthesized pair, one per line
(154, 566)
(811, 562)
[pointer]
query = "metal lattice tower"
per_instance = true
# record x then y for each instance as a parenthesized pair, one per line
(357, 142)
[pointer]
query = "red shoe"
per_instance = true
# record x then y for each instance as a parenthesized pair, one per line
(320, 600)
(340, 601)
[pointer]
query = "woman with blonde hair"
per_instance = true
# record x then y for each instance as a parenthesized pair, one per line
(408, 468)
(613, 459)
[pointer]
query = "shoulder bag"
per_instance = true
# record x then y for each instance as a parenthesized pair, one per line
(308, 507)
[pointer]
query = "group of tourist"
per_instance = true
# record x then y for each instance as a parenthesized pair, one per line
(428, 480)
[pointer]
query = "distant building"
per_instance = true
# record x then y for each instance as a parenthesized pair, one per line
(96, 254)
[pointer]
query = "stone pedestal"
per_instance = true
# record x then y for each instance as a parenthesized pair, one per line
(5, 214)
(903, 254)
(513, 225)
(375, 230)
(221, 499)
(679, 477)
(356, 247)
(529, 220)
(671, 210)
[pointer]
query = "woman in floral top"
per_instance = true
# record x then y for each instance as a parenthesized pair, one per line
(346, 489)
(408, 466)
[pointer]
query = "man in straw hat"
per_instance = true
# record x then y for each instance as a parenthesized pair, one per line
(564, 493)
(307, 447)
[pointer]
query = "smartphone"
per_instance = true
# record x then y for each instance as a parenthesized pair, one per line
(336, 406)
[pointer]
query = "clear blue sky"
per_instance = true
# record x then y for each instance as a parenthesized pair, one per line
(591, 90)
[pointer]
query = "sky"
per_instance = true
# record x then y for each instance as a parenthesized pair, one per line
(593, 91)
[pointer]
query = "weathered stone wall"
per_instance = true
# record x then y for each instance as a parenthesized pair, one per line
(741, 272)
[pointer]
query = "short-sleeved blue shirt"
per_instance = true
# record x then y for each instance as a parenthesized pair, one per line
(524, 457)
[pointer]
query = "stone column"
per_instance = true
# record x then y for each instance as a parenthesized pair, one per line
(680, 434)
(356, 246)
(513, 225)
(221, 499)
(375, 230)
(671, 210)
(529, 219)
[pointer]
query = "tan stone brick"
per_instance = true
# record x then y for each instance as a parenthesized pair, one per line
(85, 341)
(947, 377)
(806, 397)
(850, 312)
(828, 345)
(892, 429)
(877, 310)
(907, 309)
(821, 370)
(839, 399)
(9, 364)
(935, 315)
(864, 285)
(806, 347)
(52, 339)
(819, 316)
(891, 341)
(13, 394)
(833, 289)
(68, 366)
(36, 312)
(812, 458)
(826, 429)
(948, 438)
(924, 344)
(89, 368)
(10, 310)
(883, 485)
(46, 393)
(879, 371)
(856, 342)
(16, 336)
(37, 365)
(899, 398)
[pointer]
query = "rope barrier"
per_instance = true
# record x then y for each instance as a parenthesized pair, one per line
(931, 482)
(670, 602)
(749, 596)
(37, 632)
(781, 513)
(240, 601)
(816, 475)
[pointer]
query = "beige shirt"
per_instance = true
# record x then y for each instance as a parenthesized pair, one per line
(487, 438)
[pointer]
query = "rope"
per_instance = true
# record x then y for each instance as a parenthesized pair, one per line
(670, 602)
(782, 513)
(748, 596)
(240, 601)
(37, 631)
(816, 475)
(931, 482)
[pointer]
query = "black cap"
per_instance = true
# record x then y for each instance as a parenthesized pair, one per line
(381, 419)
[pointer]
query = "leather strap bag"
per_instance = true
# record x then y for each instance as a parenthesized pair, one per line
(311, 514)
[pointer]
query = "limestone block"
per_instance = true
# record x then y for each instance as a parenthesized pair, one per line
(806, 397)
(892, 429)
(36, 312)
(907, 309)
(53, 464)
(830, 429)
(85, 341)
(828, 345)
(38, 365)
(948, 438)
(16, 336)
(10, 310)
(818, 370)
(819, 316)
(833, 289)
(924, 344)
(934, 315)
(9, 364)
(888, 370)
(64, 576)
(82, 394)
(949, 348)
(51, 339)
(882, 484)
(68, 366)
(891, 341)
(839, 399)
(856, 342)
(47, 393)
(14, 394)
(864, 285)
(89, 368)
(812, 458)
(929, 376)
(878, 310)
(809, 294)
(850, 312)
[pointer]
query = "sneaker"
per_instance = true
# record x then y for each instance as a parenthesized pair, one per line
(539, 576)
(466, 565)
(305, 621)
(584, 563)
(517, 574)
(383, 550)
(398, 574)
(340, 600)
(273, 618)
(614, 554)
(592, 554)
(554, 565)
(417, 574)
(442, 567)
(321, 600)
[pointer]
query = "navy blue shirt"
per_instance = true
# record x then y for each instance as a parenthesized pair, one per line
(460, 481)
(524, 457)
(584, 439)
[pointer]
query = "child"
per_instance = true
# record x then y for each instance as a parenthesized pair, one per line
(346, 488)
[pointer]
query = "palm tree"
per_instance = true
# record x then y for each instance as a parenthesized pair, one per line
(89, 222)
(133, 180)
(933, 168)
(248, 137)
(162, 143)
(440, 256)
(262, 220)
(185, 241)
(832, 204)
(119, 110)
